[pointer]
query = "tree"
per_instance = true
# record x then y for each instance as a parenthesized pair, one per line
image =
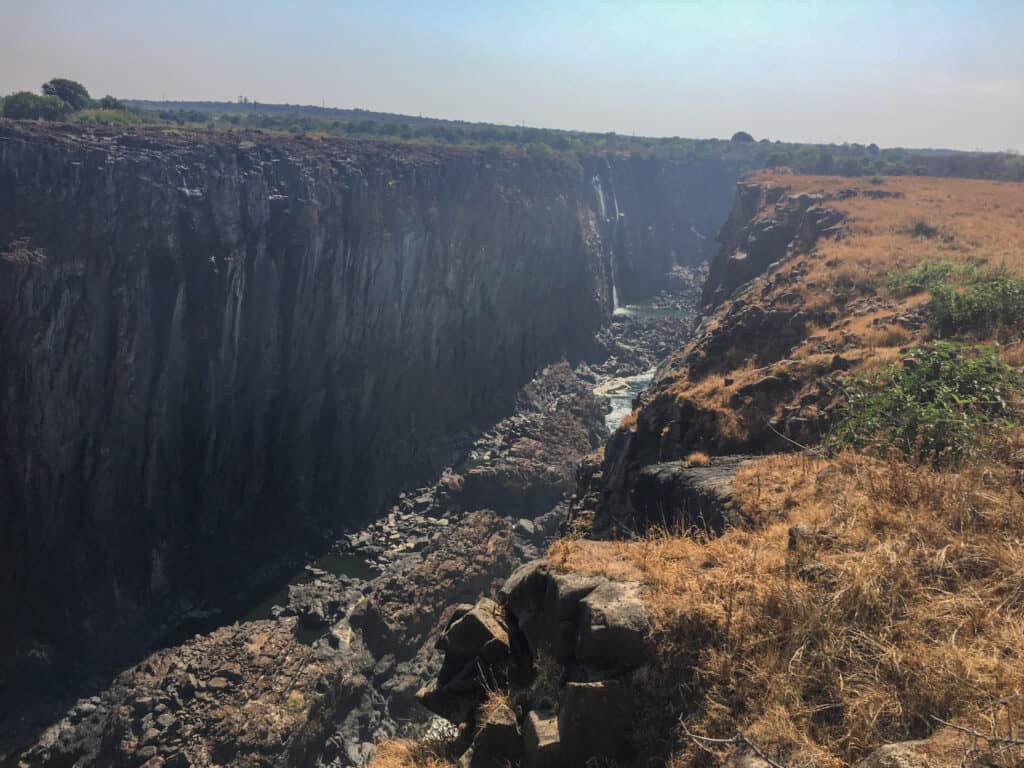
(71, 93)
(27, 106)
(742, 136)
(109, 102)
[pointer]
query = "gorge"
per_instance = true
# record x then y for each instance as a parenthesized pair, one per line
(223, 349)
(333, 453)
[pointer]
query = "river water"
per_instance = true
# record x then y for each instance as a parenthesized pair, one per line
(621, 391)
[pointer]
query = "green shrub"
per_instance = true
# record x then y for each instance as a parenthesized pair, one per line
(926, 275)
(28, 106)
(938, 405)
(990, 303)
(109, 102)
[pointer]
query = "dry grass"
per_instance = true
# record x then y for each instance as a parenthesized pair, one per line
(697, 459)
(900, 597)
(401, 753)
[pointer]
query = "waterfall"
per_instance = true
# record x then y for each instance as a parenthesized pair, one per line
(615, 291)
(603, 211)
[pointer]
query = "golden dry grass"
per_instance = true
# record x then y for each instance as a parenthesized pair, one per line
(697, 459)
(402, 753)
(901, 597)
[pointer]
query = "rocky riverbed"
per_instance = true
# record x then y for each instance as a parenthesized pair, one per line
(319, 670)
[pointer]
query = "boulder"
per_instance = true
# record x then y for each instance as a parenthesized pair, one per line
(479, 632)
(614, 625)
(476, 644)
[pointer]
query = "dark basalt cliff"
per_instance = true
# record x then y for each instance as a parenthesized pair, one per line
(217, 347)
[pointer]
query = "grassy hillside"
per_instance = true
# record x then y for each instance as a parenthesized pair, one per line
(875, 590)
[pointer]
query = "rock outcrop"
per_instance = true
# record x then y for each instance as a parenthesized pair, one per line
(560, 652)
(218, 347)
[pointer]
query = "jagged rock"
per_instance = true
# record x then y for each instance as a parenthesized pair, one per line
(479, 632)
(546, 606)
(476, 644)
(541, 744)
(614, 625)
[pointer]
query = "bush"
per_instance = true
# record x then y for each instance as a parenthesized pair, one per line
(993, 302)
(933, 406)
(109, 102)
(925, 276)
(27, 106)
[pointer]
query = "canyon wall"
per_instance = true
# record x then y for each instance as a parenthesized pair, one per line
(218, 347)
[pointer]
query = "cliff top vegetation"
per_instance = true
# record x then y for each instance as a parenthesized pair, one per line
(851, 160)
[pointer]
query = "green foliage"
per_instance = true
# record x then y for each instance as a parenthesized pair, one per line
(876, 179)
(936, 406)
(72, 93)
(28, 106)
(927, 275)
(989, 303)
(105, 117)
(109, 102)
(742, 136)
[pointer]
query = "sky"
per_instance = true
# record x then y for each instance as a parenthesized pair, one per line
(917, 73)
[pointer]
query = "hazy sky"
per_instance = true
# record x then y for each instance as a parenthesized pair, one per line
(914, 73)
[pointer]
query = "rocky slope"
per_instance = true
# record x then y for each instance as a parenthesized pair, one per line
(218, 347)
(795, 607)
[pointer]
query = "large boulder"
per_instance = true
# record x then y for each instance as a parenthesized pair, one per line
(614, 626)
(476, 645)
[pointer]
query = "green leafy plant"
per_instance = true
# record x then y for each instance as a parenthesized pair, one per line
(940, 404)
(989, 303)
(927, 275)
(28, 106)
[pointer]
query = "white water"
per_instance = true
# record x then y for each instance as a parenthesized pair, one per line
(620, 393)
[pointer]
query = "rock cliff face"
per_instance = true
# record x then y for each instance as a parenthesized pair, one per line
(216, 348)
